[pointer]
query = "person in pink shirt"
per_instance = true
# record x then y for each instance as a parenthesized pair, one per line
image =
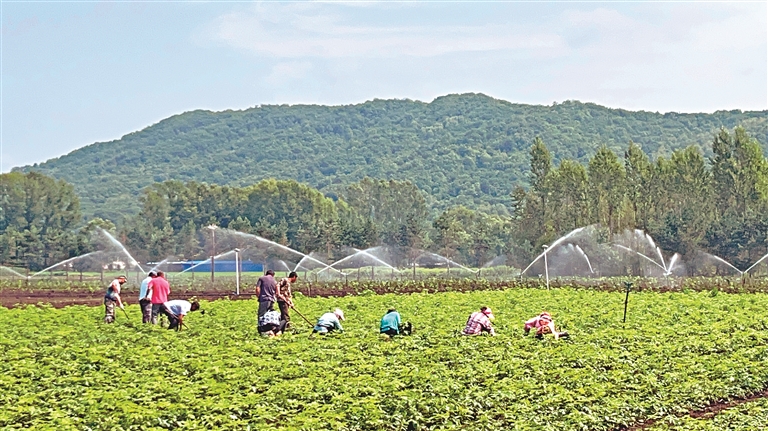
(479, 322)
(543, 324)
(158, 290)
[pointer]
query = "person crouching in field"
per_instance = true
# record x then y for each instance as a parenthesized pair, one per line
(543, 324)
(391, 324)
(329, 322)
(112, 298)
(479, 322)
(176, 310)
(271, 325)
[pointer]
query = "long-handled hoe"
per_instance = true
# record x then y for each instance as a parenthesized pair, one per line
(302, 316)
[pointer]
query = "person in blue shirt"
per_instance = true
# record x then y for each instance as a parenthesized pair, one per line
(391, 324)
(329, 322)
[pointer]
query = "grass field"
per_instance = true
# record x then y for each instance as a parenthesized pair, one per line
(63, 369)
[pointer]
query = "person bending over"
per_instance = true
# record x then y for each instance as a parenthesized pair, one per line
(543, 324)
(271, 325)
(329, 322)
(176, 310)
(479, 322)
(391, 324)
(112, 299)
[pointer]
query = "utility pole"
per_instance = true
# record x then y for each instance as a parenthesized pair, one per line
(213, 227)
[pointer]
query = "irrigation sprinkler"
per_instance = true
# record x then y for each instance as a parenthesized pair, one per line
(628, 287)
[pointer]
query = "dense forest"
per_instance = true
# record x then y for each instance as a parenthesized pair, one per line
(469, 149)
(688, 201)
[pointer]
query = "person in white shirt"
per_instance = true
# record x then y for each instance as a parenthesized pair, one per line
(146, 304)
(176, 310)
(329, 322)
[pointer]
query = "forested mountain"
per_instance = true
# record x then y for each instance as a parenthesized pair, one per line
(465, 149)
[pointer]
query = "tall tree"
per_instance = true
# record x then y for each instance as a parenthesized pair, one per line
(38, 216)
(606, 187)
(639, 171)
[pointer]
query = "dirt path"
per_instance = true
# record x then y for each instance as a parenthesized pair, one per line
(707, 412)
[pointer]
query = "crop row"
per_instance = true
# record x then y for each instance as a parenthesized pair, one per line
(64, 369)
(458, 284)
(750, 416)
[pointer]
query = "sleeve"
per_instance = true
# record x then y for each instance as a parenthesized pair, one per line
(337, 324)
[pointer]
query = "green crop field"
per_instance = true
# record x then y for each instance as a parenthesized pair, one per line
(63, 369)
(747, 417)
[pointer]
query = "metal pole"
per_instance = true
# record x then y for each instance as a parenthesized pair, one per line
(213, 255)
(546, 265)
(237, 271)
(628, 285)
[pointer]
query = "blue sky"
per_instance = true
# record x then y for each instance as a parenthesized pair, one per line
(75, 73)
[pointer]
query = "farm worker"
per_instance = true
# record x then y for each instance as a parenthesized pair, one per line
(271, 325)
(176, 310)
(146, 304)
(112, 298)
(158, 290)
(391, 324)
(544, 324)
(329, 322)
(284, 296)
(479, 322)
(266, 288)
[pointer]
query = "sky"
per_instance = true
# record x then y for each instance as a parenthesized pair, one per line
(75, 73)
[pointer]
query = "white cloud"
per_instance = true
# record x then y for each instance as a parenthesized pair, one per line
(659, 57)
(285, 72)
(294, 31)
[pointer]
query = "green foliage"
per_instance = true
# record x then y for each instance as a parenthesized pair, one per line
(64, 369)
(37, 218)
(467, 149)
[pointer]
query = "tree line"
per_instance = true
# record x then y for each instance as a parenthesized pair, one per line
(467, 149)
(686, 201)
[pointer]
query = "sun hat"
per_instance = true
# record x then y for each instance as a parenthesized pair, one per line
(339, 313)
(489, 313)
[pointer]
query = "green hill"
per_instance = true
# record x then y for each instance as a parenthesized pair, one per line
(460, 149)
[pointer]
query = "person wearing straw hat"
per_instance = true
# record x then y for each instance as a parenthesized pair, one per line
(543, 324)
(112, 298)
(329, 322)
(479, 322)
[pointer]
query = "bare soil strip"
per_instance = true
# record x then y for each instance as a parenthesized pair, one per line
(707, 412)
